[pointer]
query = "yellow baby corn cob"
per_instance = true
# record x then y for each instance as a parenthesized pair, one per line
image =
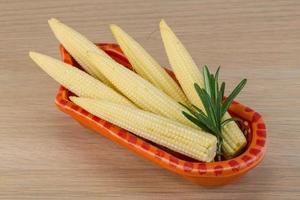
(188, 141)
(145, 65)
(77, 45)
(77, 81)
(138, 90)
(185, 69)
(187, 73)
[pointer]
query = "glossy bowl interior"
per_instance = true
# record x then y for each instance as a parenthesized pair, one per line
(206, 174)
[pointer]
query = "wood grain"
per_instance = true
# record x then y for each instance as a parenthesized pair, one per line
(46, 155)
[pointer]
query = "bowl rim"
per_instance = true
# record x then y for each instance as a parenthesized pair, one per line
(250, 158)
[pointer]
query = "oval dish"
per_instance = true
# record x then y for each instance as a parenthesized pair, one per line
(206, 174)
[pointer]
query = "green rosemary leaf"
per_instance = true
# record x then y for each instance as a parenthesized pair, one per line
(196, 121)
(206, 75)
(205, 120)
(202, 98)
(218, 105)
(220, 101)
(223, 123)
(216, 91)
(205, 98)
(233, 94)
(222, 90)
(217, 74)
(198, 109)
(199, 115)
(213, 88)
(186, 107)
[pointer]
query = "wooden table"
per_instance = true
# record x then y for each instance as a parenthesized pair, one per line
(46, 155)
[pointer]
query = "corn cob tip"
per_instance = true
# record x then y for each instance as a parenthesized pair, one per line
(32, 54)
(35, 55)
(163, 24)
(114, 27)
(53, 22)
(38, 59)
(117, 31)
(164, 27)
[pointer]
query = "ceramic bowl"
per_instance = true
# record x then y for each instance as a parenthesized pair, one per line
(206, 174)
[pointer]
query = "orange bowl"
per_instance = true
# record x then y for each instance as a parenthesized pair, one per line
(206, 174)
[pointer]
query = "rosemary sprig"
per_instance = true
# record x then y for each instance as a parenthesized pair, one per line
(215, 105)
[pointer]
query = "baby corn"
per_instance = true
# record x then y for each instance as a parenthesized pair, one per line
(145, 65)
(173, 135)
(138, 90)
(187, 73)
(77, 45)
(77, 81)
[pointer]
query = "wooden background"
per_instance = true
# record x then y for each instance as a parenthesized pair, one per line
(46, 155)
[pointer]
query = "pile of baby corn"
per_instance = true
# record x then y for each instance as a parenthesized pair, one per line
(144, 103)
